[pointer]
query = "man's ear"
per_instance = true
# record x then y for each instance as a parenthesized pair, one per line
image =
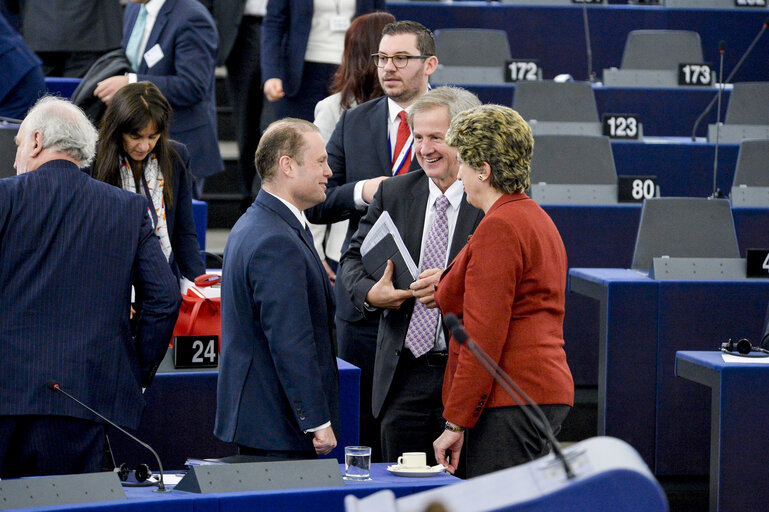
(286, 165)
(431, 64)
(37, 148)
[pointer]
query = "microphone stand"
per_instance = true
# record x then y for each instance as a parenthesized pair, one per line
(721, 50)
(54, 386)
(519, 396)
(588, 46)
(729, 78)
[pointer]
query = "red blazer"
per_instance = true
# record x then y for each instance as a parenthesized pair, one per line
(508, 287)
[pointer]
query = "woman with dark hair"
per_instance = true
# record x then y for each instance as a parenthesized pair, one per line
(355, 82)
(135, 153)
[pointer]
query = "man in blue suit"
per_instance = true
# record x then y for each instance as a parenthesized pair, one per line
(23, 81)
(278, 390)
(70, 249)
(173, 44)
(362, 153)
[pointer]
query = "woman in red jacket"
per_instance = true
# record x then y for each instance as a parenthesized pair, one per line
(508, 288)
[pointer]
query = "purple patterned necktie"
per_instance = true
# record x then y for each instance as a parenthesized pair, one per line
(420, 337)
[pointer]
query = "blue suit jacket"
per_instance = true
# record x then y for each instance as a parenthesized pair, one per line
(67, 269)
(181, 225)
(285, 31)
(357, 150)
(186, 34)
(17, 62)
(278, 374)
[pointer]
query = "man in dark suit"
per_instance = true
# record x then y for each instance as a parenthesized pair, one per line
(407, 386)
(362, 153)
(69, 35)
(179, 56)
(70, 249)
(23, 81)
(278, 390)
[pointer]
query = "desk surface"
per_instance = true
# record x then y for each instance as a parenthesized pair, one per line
(643, 322)
(329, 499)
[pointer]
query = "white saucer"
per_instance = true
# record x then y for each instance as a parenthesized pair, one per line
(416, 472)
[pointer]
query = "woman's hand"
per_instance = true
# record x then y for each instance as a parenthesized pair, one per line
(273, 89)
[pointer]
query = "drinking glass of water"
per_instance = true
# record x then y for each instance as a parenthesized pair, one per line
(357, 462)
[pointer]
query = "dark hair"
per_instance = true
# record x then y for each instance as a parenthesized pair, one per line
(133, 107)
(282, 137)
(425, 38)
(356, 78)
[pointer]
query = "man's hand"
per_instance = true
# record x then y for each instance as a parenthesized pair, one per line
(384, 295)
(424, 287)
(449, 441)
(273, 89)
(324, 440)
(106, 89)
(370, 187)
(329, 272)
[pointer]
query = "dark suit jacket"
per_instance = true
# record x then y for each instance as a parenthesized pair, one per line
(405, 199)
(72, 26)
(286, 29)
(67, 269)
(185, 32)
(181, 224)
(278, 374)
(17, 61)
(508, 287)
(357, 150)
(227, 14)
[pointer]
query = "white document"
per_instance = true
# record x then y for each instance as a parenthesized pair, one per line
(381, 228)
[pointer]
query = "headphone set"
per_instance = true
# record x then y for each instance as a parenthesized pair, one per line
(141, 474)
(743, 348)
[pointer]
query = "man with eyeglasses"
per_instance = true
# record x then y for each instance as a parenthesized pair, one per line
(371, 143)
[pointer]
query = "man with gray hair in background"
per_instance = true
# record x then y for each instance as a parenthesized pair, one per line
(70, 250)
(432, 215)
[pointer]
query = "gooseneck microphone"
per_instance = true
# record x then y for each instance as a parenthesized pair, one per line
(729, 78)
(55, 386)
(503, 379)
(721, 51)
(588, 45)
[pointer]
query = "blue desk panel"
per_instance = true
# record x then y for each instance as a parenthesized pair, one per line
(328, 499)
(604, 237)
(178, 421)
(556, 35)
(738, 461)
(663, 112)
(642, 324)
(200, 217)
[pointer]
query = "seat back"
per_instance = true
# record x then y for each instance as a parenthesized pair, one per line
(752, 164)
(573, 160)
(684, 227)
(7, 150)
(749, 104)
(661, 49)
(548, 101)
(472, 47)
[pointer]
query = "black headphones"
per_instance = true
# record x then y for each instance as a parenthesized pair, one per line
(140, 474)
(743, 348)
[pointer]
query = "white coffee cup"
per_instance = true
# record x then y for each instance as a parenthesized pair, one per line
(413, 460)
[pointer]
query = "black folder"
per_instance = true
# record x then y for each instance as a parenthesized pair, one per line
(375, 262)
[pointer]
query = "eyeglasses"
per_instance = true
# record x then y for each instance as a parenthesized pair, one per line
(399, 61)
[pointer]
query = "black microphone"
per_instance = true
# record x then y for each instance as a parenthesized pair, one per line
(729, 78)
(55, 386)
(503, 379)
(721, 51)
(588, 46)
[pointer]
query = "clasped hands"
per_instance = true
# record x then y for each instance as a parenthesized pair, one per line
(384, 295)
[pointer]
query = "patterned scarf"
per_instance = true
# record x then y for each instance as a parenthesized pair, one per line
(155, 184)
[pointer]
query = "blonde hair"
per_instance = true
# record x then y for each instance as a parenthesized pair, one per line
(496, 135)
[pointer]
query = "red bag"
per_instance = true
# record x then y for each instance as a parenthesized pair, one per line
(200, 315)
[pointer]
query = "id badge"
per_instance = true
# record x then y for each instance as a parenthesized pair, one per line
(339, 23)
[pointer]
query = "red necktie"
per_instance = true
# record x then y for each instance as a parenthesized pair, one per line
(403, 135)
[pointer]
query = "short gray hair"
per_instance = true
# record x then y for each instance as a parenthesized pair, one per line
(455, 99)
(64, 128)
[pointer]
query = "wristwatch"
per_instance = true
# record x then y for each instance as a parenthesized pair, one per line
(454, 428)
